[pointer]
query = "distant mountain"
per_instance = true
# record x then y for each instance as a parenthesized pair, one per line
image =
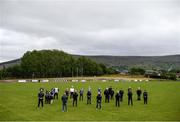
(125, 62)
(10, 63)
(146, 62)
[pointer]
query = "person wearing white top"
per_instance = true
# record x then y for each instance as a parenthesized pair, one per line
(71, 92)
(56, 91)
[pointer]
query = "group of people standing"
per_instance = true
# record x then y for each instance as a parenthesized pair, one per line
(139, 93)
(73, 94)
(49, 96)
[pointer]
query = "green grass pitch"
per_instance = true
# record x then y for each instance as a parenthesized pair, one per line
(18, 101)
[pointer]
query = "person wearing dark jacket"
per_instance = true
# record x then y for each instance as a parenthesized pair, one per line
(81, 92)
(89, 97)
(64, 99)
(117, 96)
(111, 92)
(75, 97)
(99, 100)
(145, 96)
(130, 97)
(121, 92)
(40, 97)
(106, 94)
(47, 97)
(139, 92)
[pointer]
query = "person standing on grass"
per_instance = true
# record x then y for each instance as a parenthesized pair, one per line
(111, 92)
(75, 97)
(89, 97)
(56, 91)
(106, 94)
(52, 92)
(71, 92)
(64, 99)
(40, 97)
(130, 97)
(51, 96)
(99, 100)
(47, 97)
(145, 96)
(139, 92)
(81, 92)
(121, 92)
(117, 96)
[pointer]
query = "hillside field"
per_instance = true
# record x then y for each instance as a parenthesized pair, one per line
(18, 101)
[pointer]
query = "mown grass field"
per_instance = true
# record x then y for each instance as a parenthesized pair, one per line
(18, 101)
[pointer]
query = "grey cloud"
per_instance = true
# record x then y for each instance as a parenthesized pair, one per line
(106, 27)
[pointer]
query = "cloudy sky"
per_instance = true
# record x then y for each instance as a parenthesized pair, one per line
(90, 27)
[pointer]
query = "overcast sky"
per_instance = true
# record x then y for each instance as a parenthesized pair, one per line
(90, 27)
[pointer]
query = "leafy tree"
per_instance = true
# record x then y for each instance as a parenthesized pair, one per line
(137, 71)
(54, 63)
(172, 76)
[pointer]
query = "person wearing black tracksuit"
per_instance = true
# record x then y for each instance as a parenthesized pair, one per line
(121, 92)
(89, 97)
(99, 101)
(117, 96)
(81, 92)
(106, 94)
(130, 97)
(75, 97)
(145, 96)
(40, 98)
(64, 99)
(139, 92)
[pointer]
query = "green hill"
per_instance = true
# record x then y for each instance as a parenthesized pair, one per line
(158, 62)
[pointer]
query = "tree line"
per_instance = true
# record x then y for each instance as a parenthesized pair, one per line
(162, 74)
(54, 63)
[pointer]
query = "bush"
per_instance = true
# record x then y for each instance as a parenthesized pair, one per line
(137, 71)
